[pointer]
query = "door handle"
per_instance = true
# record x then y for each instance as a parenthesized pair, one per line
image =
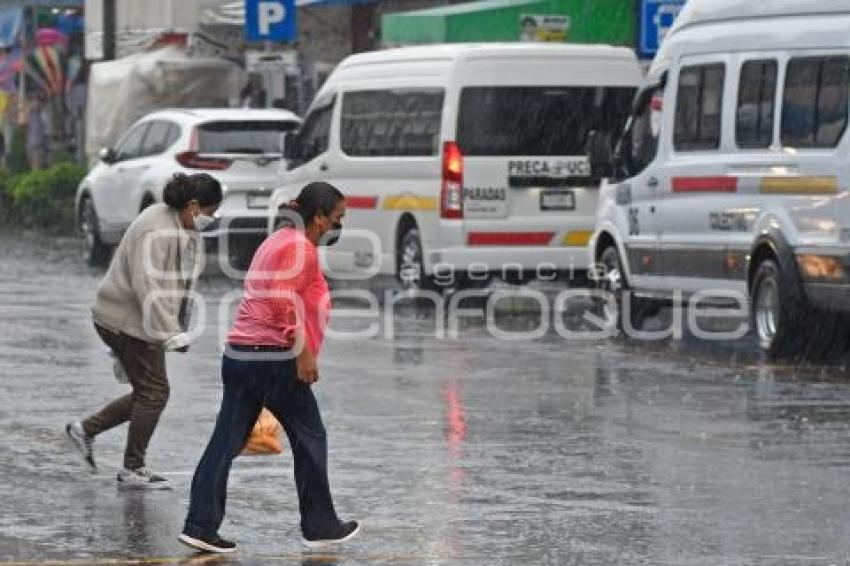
(652, 183)
(323, 167)
(652, 209)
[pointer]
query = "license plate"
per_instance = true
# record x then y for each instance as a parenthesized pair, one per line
(557, 200)
(486, 202)
(258, 201)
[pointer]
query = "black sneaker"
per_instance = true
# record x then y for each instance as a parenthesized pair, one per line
(215, 544)
(342, 532)
(81, 442)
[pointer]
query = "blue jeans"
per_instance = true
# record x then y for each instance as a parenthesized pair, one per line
(248, 386)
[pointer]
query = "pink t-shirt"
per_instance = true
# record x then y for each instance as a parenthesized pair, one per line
(284, 289)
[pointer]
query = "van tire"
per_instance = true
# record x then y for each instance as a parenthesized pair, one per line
(778, 311)
(614, 281)
(410, 267)
(95, 252)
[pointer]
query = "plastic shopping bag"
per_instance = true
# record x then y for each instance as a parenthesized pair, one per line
(265, 436)
(117, 368)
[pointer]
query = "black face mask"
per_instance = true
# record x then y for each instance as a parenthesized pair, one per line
(336, 230)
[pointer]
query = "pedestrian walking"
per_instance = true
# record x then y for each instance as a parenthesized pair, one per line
(271, 360)
(37, 133)
(142, 310)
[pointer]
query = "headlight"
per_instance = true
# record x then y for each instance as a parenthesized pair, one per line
(820, 267)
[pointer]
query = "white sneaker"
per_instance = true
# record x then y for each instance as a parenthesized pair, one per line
(141, 478)
(81, 441)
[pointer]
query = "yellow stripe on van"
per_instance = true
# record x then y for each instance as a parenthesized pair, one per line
(799, 185)
(409, 202)
(579, 238)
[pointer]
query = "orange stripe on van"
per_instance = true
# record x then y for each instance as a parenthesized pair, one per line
(705, 184)
(577, 238)
(810, 185)
(509, 238)
(410, 202)
(361, 202)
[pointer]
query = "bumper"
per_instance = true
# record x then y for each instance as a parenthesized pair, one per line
(500, 258)
(245, 225)
(829, 296)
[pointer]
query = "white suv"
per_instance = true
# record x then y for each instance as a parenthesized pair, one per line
(240, 147)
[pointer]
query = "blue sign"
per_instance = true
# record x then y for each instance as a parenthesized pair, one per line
(656, 19)
(270, 20)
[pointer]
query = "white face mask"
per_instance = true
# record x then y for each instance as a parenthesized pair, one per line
(202, 221)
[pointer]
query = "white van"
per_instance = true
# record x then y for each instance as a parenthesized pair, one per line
(464, 160)
(733, 171)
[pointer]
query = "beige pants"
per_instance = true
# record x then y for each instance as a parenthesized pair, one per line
(144, 364)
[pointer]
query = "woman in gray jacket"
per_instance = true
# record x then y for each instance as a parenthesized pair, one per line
(142, 311)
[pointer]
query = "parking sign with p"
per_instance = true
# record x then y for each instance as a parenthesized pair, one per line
(270, 20)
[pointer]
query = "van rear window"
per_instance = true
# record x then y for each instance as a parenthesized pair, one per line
(249, 136)
(538, 121)
(391, 123)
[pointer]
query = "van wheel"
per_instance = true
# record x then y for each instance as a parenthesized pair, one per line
(777, 311)
(614, 281)
(409, 263)
(95, 252)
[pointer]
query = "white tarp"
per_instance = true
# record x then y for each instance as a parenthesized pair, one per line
(122, 91)
(139, 24)
(172, 15)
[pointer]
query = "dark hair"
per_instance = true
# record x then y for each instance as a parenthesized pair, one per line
(182, 189)
(207, 189)
(315, 198)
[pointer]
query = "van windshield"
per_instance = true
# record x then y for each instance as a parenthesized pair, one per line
(247, 136)
(538, 121)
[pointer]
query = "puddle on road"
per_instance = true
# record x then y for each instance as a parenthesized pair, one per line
(474, 450)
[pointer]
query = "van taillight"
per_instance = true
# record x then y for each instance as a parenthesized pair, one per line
(451, 195)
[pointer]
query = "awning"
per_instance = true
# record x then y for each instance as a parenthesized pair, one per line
(233, 13)
(580, 21)
(41, 4)
(10, 26)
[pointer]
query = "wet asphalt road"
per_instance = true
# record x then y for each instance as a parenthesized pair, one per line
(467, 451)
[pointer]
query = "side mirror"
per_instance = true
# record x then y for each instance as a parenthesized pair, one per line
(599, 154)
(108, 155)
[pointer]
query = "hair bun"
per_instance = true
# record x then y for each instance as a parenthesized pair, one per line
(179, 191)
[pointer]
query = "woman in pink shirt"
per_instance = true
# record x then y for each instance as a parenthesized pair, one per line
(270, 360)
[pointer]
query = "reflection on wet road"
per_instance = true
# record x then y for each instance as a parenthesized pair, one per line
(468, 451)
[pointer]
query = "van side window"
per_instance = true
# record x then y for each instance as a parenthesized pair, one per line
(314, 136)
(814, 103)
(698, 104)
(391, 123)
(756, 95)
(643, 133)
